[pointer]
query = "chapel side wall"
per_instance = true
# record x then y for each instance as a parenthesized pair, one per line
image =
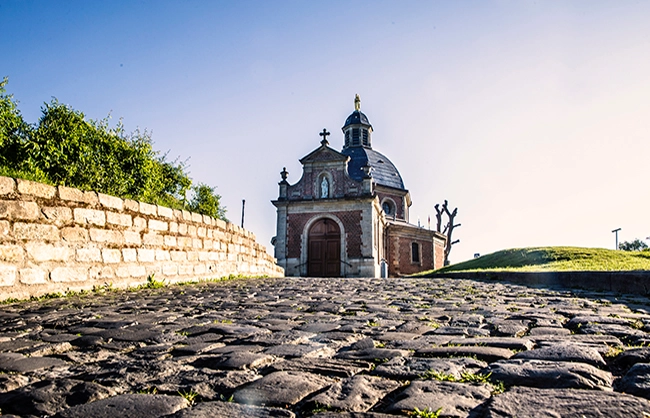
(54, 239)
(439, 253)
(400, 261)
(406, 266)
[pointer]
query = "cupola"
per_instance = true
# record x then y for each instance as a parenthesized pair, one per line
(357, 130)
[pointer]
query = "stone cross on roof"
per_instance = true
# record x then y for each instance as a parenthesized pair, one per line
(324, 134)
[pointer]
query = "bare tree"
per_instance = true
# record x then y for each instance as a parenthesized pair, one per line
(449, 227)
(438, 217)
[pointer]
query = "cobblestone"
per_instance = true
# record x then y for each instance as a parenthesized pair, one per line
(328, 348)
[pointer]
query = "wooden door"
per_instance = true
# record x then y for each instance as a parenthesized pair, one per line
(324, 249)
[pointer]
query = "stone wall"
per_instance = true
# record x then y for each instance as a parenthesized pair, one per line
(634, 282)
(54, 239)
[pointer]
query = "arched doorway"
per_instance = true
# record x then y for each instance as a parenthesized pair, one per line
(324, 249)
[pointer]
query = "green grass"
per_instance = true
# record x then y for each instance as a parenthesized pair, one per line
(553, 259)
(152, 283)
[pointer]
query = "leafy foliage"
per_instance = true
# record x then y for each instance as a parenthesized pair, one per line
(636, 245)
(14, 131)
(64, 148)
(206, 201)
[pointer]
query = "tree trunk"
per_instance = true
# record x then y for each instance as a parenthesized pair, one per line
(449, 228)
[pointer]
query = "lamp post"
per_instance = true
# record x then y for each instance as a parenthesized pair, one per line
(616, 232)
(243, 205)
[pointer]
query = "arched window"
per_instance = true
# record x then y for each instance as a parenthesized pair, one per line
(415, 252)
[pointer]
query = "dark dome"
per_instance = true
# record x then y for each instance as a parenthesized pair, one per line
(384, 172)
(356, 118)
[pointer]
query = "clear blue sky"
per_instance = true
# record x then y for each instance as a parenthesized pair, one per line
(531, 117)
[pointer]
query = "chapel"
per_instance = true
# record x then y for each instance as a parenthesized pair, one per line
(348, 215)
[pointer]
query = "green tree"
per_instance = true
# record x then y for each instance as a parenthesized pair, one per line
(14, 131)
(636, 245)
(206, 201)
(88, 154)
(64, 148)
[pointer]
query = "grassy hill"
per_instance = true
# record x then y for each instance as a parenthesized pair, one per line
(554, 259)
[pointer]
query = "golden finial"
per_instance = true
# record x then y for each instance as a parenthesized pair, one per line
(357, 102)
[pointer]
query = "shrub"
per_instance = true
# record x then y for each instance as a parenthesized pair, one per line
(64, 148)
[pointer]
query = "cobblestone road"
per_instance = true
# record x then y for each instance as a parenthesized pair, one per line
(328, 348)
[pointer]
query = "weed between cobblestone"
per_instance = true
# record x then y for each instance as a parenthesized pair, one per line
(426, 413)
(318, 408)
(149, 391)
(497, 387)
(228, 343)
(229, 399)
(189, 395)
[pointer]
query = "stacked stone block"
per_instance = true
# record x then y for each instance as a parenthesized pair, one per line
(59, 238)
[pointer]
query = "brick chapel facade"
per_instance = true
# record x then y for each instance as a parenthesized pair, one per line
(348, 215)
